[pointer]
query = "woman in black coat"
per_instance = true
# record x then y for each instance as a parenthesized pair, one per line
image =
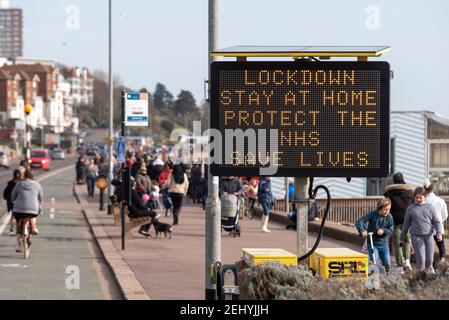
(401, 196)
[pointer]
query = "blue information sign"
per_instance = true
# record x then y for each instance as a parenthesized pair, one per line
(121, 150)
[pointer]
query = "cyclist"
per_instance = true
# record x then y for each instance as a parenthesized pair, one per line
(27, 197)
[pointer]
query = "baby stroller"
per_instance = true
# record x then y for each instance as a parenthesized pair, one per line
(229, 215)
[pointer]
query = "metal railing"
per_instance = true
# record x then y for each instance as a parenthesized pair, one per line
(346, 210)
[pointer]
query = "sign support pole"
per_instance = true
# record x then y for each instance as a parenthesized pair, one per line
(111, 115)
(301, 189)
(213, 204)
(124, 197)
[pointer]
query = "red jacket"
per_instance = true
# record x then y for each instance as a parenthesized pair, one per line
(164, 175)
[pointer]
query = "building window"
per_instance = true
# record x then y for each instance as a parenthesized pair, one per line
(439, 155)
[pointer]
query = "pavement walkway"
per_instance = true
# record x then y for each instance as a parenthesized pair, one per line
(173, 269)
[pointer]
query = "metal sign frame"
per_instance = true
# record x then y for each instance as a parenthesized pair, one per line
(383, 67)
(136, 109)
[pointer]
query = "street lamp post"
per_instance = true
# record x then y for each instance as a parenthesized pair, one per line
(111, 113)
(66, 45)
(28, 108)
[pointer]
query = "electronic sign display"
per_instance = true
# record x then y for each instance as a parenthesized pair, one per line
(303, 118)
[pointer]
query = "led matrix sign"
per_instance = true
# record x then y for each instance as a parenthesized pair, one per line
(328, 119)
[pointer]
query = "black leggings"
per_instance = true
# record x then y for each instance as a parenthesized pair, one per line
(177, 202)
(252, 202)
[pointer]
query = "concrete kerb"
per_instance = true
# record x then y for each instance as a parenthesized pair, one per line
(130, 287)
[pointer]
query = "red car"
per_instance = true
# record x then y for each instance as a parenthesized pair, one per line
(40, 159)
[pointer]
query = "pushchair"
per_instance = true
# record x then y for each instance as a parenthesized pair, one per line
(229, 215)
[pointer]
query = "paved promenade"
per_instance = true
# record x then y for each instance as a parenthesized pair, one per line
(174, 269)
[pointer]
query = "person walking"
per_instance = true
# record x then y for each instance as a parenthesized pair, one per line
(80, 170)
(17, 176)
(441, 208)
(266, 200)
(422, 220)
(401, 196)
(380, 224)
(91, 177)
(251, 193)
(27, 198)
(177, 188)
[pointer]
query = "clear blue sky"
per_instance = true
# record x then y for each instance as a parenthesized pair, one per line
(166, 41)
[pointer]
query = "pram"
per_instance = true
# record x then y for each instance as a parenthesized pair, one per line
(229, 215)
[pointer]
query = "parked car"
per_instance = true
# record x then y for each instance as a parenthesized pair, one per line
(5, 160)
(57, 154)
(40, 158)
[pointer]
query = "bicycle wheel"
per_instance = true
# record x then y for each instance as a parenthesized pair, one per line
(249, 212)
(242, 208)
(25, 236)
(26, 248)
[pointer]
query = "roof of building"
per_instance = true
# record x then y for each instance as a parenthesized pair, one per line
(72, 72)
(30, 68)
(4, 75)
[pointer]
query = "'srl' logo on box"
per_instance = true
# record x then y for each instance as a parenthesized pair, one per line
(338, 268)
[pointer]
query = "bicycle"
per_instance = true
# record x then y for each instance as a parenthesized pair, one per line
(249, 208)
(24, 236)
(241, 206)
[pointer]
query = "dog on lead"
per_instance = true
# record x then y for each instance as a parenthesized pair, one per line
(164, 228)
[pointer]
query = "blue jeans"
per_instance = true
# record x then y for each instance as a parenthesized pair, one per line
(90, 186)
(266, 208)
(381, 251)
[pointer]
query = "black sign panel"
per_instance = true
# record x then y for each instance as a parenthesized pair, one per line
(303, 118)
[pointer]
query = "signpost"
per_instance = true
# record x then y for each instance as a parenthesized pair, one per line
(134, 114)
(121, 150)
(102, 184)
(332, 118)
(136, 109)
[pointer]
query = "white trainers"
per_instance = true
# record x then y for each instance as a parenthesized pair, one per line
(265, 224)
(407, 265)
(430, 270)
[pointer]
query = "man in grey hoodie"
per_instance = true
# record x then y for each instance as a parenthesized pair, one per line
(27, 197)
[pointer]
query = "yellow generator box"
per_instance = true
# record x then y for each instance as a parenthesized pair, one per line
(341, 263)
(254, 256)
